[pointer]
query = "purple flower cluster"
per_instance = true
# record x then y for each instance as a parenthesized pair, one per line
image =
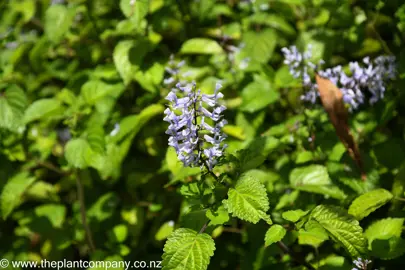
(299, 67)
(195, 142)
(366, 79)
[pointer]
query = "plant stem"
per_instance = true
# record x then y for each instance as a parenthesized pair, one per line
(80, 195)
(204, 227)
(204, 161)
(213, 174)
(298, 259)
(209, 171)
(52, 167)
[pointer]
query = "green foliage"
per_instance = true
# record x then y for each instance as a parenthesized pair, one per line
(85, 167)
(200, 46)
(294, 215)
(11, 195)
(164, 231)
(258, 94)
(341, 228)
(363, 205)
(384, 238)
(274, 234)
(13, 101)
(313, 234)
(40, 109)
(218, 217)
(315, 178)
(58, 19)
(248, 200)
(187, 249)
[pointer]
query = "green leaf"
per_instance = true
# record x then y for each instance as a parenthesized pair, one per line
(258, 94)
(135, 12)
(12, 104)
(119, 144)
(41, 108)
(218, 217)
(283, 78)
(200, 46)
(131, 124)
(272, 20)
(342, 228)
(256, 152)
(58, 19)
(122, 60)
(333, 262)
(259, 46)
(104, 207)
(164, 231)
(27, 9)
(11, 195)
(248, 200)
(249, 159)
(318, 46)
(193, 219)
(187, 249)
(177, 168)
(128, 56)
(368, 47)
(315, 178)
(234, 131)
(363, 205)
(38, 53)
(55, 213)
(384, 229)
(390, 153)
(293, 2)
(120, 232)
(287, 199)
(384, 238)
(151, 78)
(388, 249)
(274, 234)
(41, 190)
(95, 138)
(313, 234)
(294, 215)
(304, 157)
(95, 90)
(337, 152)
(76, 151)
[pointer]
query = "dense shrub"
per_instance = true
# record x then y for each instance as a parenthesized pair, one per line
(266, 134)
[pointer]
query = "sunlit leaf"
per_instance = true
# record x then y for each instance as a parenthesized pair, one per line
(363, 205)
(248, 200)
(342, 228)
(274, 234)
(11, 195)
(200, 46)
(187, 249)
(315, 178)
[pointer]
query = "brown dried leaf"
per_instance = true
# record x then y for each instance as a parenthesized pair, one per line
(332, 100)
